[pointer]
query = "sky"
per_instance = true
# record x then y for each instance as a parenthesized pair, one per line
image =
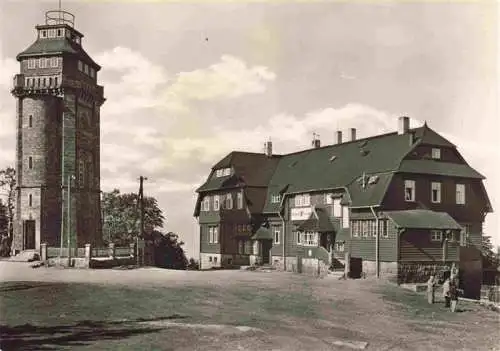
(188, 83)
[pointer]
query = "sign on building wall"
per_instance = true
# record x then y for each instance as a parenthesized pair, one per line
(300, 213)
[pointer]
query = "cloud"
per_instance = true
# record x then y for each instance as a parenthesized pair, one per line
(229, 78)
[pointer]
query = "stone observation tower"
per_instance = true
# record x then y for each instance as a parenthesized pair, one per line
(58, 103)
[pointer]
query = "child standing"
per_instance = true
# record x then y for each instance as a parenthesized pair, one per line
(446, 292)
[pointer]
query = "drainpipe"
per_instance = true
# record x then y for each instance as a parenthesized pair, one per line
(284, 231)
(377, 244)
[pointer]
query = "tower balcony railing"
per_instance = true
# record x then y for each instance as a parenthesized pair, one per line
(18, 82)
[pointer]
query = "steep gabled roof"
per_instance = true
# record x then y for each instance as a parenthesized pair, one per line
(53, 46)
(342, 166)
(250, 169)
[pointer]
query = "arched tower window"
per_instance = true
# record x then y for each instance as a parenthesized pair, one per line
(30, 121)
(30, 162)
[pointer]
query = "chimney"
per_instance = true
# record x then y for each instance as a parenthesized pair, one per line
(316, 143)
(403, 125)
(352, 134)
(339, 137)
(268, 148)
(412, 137)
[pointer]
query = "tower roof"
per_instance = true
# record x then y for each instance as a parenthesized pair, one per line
(58, 45)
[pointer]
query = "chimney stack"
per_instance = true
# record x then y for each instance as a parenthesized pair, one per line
(352, 134)
(339, 137)
(268, 148)
(316, 143)
(403, 125)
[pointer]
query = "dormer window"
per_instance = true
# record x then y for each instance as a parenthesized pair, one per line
(436, 153)
(275, 199)
(302, 200)
(222, 172)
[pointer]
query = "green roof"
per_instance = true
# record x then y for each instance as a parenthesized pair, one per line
(439, 168)
(423, 219)
(262, 233)
(318, 221)
(56, 46)
(250, 169)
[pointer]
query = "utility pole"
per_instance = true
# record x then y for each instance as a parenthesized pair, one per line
(141, 204)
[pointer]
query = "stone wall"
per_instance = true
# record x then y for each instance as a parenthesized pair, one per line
(388, 270)
(419, 272)
(210, 260)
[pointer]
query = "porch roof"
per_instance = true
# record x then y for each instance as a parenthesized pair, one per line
(318, 221)
(423, 219)
(263, 233)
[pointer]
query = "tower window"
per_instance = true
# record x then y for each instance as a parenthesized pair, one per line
(30, 200)
(30, 121)
(43, 34)
(30, 162)
(52, 33)
(60, 33)
(56, 82)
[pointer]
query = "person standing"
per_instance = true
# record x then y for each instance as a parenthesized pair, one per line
(446, 292)
(431, 288)
(453, 296)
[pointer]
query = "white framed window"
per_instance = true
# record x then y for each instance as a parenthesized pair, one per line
(42, 62)
(213, 235)
(339, 246)
(436, 192)
(436, 153)
(302, 200)
(229, 201)
(373, 228)
(275, 199)
(345, 217)
(85, 68)
(239, 200)
(215, 259)
(328, 198)
(337, 208)
(356, 228)
(227, 171)
(365, 228)
(460, 194)
(92, 72)
(464, 234)
(80, 66)
(31, 63)
(51, 33)
(409, 190)
(209, 258)
(216, 203)
(277, 235)
(206, 204)
(43, 33)
(382, 227)
(308, 238)
(60, 32)
(216, 235)
(54, 61)
(436, 235)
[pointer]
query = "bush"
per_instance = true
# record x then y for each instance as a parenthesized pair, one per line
(193, 265)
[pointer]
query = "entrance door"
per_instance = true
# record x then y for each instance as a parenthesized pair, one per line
(266, 251)
(29, 234)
